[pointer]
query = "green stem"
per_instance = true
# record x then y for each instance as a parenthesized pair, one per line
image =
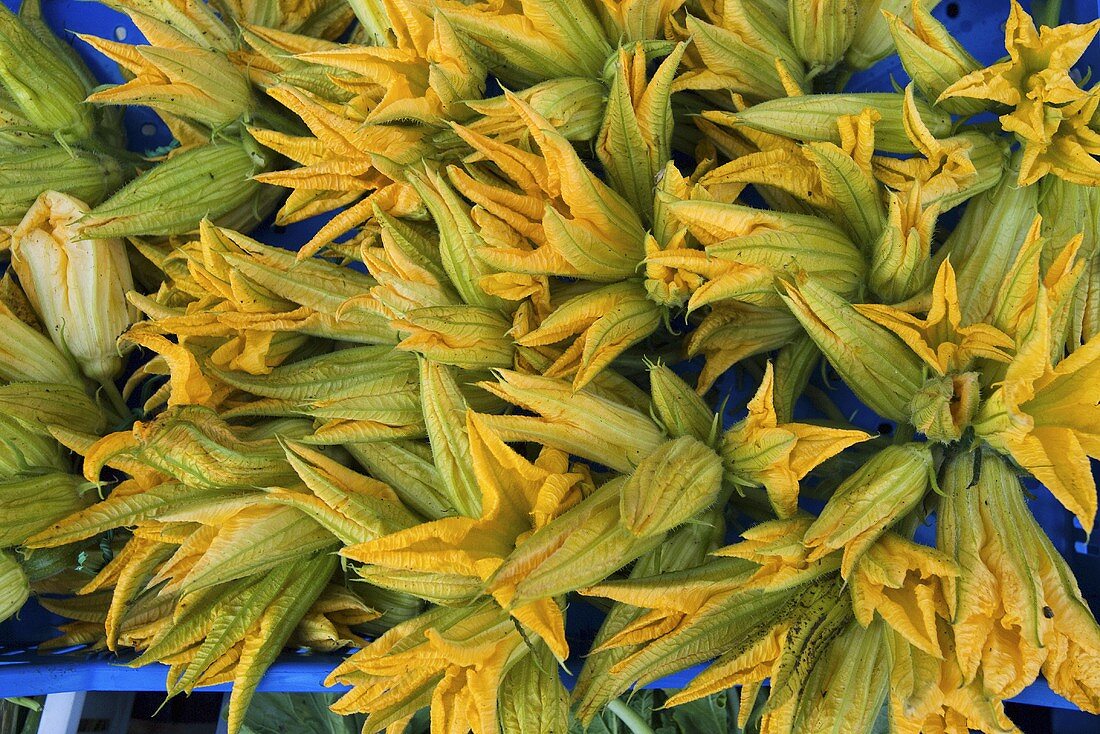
(1047, 12)
(114, 397)
(903, 433)
(630, 717)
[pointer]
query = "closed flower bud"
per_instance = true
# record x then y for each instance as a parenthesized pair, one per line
(29, 505)
(195, 83)
(580, 547)
(532, 697)
(22, 450)
(813, 118)
(743, 50)
(872, 41)
(933, 59)
(580, 422)
(733, 331)
(78, 286)
(195, 446)
(874, 363)
(47, 89)
(822, 30)
(31, 168)
(173, 197)
(984, 244)
(635, 139)
(869, 502)
(573, 105)
(945, 406)
(39, 405)
(566, 40)
(360, 394)
(407, 467)
(600, 324)
(679, 408)
(464, 336)
(670, 486)
(15, 589)
(901, 262)
(28, 356)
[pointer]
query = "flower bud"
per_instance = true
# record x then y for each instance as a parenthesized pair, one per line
(30, 505)
(822, 30)
(194, 83)
(874, 363)
(48, 90)
(407, 467)
(869, 502)
(933, 59)
(77, 286)
(600, 324)
(532, 696)
(358, 394)
(28, 356)
(567, 40)
(945, 406)
(470, 337)
(872, 41)
(579, 548)
(733, 331)
(635, 139)
(580, 422)
(901, 262)
(195, 446)
(813, 118)
(573, 105)
(39, 405)
(22, 450)
(985, 242)
(459, 240)
(679, 408)
(31, 168)
(744, 51)
(174, 196)
(670, 486)
(15, 589)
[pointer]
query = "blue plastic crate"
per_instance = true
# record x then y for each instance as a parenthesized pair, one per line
(24, 671)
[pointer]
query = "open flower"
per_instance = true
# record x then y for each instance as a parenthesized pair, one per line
(1044, 415)
(906, 584)
(1051, 113)
(517, 496)
(620, 521)
(940, 338)
(927, 694)
(737, 609)
(949, 169)
(454, 660)
(759, 450)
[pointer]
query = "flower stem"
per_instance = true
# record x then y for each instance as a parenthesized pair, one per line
(630, 717)
(114, 397)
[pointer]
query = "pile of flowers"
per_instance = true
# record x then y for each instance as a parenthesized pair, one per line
(484, 391)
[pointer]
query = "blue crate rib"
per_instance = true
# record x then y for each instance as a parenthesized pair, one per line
(24, 671)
